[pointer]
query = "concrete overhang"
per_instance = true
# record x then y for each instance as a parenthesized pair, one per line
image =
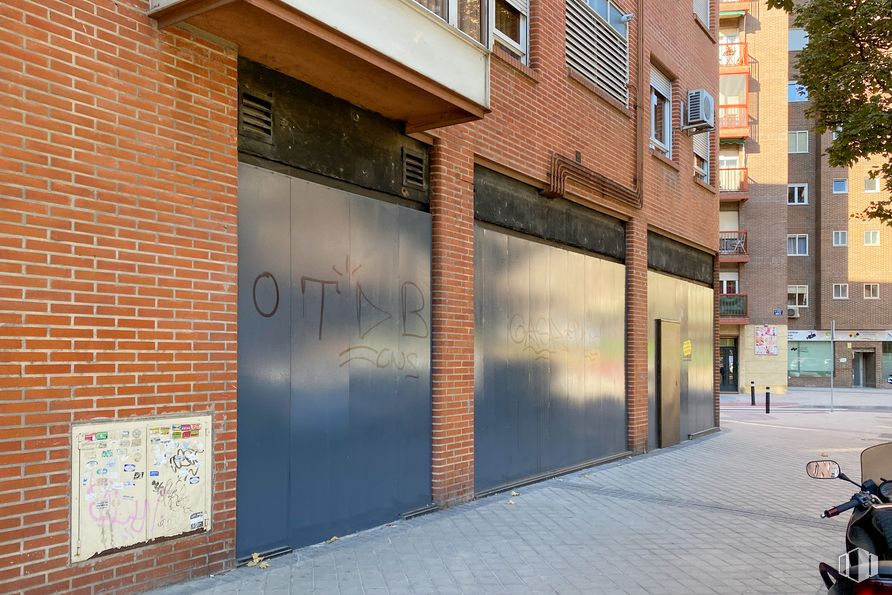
(392, 57)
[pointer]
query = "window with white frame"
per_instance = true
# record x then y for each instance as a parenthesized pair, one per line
(797, 40)
(468, 16)
(796, 92)
(597, 45)
(729, 282)
(797, 295)
(702, 9)
(871, 291)
(510, 29)
(797, 194)
(840, 291)
(797, 141)
(660, 111)
(871, 184)
(797, 244)
(872, 237)
(840, 185)
(702, 145)
(840, 238)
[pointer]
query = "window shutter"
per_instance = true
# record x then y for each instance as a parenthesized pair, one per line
(661, 83)
(701, 9)
(597, 51)
(701, 145)
(522, 5)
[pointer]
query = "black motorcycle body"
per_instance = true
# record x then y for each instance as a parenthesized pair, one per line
(869, 530)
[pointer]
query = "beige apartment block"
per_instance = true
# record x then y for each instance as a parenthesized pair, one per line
(796, 259)
(753, 180)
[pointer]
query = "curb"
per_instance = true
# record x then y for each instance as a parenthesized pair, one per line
(805, 406)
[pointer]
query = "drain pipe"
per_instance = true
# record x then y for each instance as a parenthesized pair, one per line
(564, 168)
(639, 108)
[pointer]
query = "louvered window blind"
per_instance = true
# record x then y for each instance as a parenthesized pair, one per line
(598, 50)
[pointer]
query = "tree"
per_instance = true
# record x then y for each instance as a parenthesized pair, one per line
(847, 69)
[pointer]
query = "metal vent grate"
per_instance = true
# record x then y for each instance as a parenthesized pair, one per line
(413, 169)
(257, 116)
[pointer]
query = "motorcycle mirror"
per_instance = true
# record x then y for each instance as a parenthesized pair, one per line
(823, 469)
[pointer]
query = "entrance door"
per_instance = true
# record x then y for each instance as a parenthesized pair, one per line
(728, 365)
(864, 369)
(870, 369)
(669, 381)
(334, 410)
(857, 369)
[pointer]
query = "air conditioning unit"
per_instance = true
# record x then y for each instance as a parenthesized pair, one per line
(792, 311)
(700, 115)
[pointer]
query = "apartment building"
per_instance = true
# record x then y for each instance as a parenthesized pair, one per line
(794, 260)
(277, 271)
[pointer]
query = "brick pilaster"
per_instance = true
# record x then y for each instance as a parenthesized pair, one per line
(636, 333)
(452, 311)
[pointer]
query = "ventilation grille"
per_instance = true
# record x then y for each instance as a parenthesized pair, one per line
(257, 116)
(413, 169)
(597, 51)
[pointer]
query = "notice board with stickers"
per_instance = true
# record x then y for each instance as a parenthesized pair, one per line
(135, 481)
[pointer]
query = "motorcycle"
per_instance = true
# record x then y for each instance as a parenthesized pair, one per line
(866, 567)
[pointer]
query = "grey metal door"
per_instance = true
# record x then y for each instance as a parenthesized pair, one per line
(669, 381)
(691, 304)
(334, 415)
(549, 385)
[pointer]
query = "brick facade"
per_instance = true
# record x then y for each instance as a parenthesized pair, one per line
(452, 350)
(119, 246)
(769, 220)
(764, 215)
(119, 269)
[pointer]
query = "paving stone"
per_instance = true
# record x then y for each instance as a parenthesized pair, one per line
(732, 512)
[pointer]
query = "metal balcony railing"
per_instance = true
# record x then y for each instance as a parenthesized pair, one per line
(733, 116)
(732, 305)
(732, 243)
(733, 179)
(732, 54)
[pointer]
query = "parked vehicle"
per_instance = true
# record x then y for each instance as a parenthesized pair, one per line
(866, 566)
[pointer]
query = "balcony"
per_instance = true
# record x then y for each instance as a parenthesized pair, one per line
(733, 55)
(393, 57)
(733, 309)
(733, 246)
(733, 121)
(733, 183)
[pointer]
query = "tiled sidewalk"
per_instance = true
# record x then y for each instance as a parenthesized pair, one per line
(730, 513)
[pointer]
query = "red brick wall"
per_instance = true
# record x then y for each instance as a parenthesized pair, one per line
(118, 264)
(452, 320)
(539, 109)
(118, 238)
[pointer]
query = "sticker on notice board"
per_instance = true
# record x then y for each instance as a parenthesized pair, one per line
(134, 483)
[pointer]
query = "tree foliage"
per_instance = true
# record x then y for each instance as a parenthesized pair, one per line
(847, 69)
